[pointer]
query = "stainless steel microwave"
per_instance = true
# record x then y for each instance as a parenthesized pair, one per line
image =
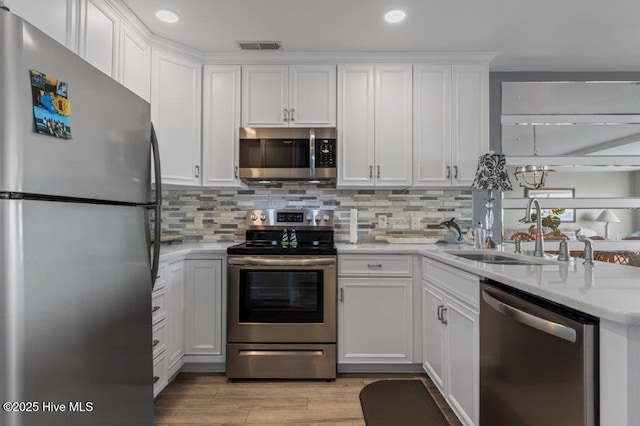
(290, 154)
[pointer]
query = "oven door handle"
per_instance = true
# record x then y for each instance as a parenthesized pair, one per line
(254, 261)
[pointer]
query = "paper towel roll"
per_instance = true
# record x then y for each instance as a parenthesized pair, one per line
(353, 226)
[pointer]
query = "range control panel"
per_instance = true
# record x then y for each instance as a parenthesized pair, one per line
(270, 218)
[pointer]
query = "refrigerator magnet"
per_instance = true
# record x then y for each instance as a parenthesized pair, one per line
(51, 106)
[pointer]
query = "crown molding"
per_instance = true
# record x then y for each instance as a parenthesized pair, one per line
(177, 48)
(263, 57)
(130, 19)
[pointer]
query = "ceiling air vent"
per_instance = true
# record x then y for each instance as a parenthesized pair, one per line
(259, 45)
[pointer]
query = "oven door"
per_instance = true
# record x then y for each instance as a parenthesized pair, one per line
(281, 299)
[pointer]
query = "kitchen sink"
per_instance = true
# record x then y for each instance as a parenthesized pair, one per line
(500, 259)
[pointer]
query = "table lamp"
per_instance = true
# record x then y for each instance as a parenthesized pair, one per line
(491, 176)
(608, 217)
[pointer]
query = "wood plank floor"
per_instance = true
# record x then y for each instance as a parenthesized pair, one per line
(209, 399)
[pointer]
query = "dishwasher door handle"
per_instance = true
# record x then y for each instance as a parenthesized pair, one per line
(546, 326)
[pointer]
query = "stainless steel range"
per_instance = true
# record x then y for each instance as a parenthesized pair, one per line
(282, 286)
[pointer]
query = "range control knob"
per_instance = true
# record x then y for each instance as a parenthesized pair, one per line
(325, 218)
(318, 219)
(308, 218)
(263, 217)
(254, 217)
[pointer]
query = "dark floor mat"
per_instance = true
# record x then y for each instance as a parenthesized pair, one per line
(400, 402)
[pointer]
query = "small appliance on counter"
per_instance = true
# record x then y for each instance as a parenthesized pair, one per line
(282, 307)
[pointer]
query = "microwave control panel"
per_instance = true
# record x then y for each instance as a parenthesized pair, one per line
(325, 153)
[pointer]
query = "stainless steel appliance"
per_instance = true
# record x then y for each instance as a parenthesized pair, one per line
(282, 285)
(75, 288)
(298, 154)
(538, 361)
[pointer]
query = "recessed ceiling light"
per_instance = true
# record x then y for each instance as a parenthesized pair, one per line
(167, 16)
(394, 16)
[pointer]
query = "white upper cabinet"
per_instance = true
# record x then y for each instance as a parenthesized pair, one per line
(175, 112)
(450, 126)
(288, 96)
(99, 36)
(470, 120)
(135, 62)
(54, 17)
(220, 125)
(312, 96)
(374, 125)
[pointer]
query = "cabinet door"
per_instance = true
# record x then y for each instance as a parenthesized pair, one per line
(433, 335)
(312, 96)
(135, 63)
(99, 34)
(176, 112)
(463, 361)
(375, 322)
(355, 125)
(393, 133)
(470, 120)
(56, 18)
(431, 125)
(220, 123)
(265, 96)
(204, 307)
(175, 316)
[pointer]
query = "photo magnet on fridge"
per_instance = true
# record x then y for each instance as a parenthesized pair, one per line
(51, 107)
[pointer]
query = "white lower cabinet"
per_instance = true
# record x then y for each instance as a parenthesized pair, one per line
(175, 316)
(204, 319)
(159, 323)
(375, 312)
(451, 336)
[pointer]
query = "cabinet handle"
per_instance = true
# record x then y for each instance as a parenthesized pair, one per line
(342, 294)
(444, 311)
(374, 265)
(448, 172)
(197, 171)
(285, 116)
(155, 379)
(235, 172)
(155, 343)
(291, 117)
(455, 172)
(370, 172)
(440, 312)
(155, 309)
(378, 172)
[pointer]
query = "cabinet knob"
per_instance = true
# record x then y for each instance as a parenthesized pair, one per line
(378, 172)
(285, 116)
(370, 172)
(291, 117)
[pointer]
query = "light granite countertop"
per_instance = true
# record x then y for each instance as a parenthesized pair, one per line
(607, 291)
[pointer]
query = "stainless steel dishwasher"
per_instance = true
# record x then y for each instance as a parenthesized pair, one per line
(538, 361)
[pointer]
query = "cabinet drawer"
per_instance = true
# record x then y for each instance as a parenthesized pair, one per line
(358, 265)
(161, 277)
(159, 339)
(453, 280)
(158, 305)
(159, 373)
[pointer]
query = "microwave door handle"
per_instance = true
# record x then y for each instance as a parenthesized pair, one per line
(312, 152)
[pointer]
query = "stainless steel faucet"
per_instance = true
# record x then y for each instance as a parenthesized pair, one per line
(538, 250)
(588, 251)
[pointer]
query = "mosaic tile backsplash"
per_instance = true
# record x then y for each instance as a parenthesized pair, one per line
(205, 215)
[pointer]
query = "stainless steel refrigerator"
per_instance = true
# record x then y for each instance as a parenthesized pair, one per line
(75, 268)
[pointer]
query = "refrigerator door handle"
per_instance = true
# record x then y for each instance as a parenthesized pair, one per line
(157, 206)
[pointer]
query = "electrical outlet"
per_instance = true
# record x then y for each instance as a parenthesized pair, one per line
(197, 219)
(415, 223)
(382, 221)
